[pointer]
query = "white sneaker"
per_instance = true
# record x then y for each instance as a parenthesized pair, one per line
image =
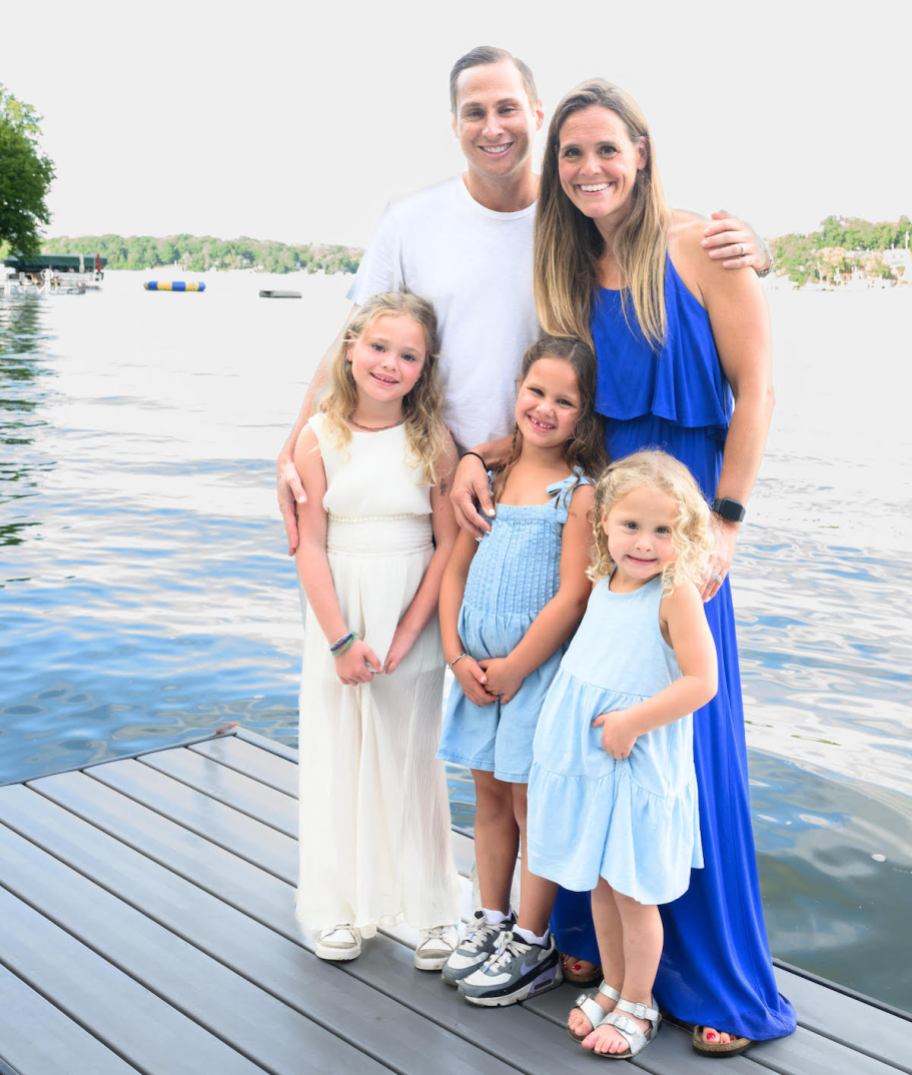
(338, 943)
(435, 946)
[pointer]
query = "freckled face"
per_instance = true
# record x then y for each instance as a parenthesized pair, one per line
(598, 163)
(639, 528)
(495, 120)
(388, 357)
(548, 403)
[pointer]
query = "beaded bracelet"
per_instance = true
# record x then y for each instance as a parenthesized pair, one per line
(342, 644)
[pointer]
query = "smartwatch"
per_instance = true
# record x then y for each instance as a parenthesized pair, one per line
(729, 510)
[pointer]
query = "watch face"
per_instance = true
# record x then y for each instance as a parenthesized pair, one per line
(730, 510)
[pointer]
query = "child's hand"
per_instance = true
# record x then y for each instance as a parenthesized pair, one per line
(471, 677)
(617, 735)
(403, 640)
(357, 664)
(502, 682)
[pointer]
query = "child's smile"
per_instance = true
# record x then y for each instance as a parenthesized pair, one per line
(639, 527)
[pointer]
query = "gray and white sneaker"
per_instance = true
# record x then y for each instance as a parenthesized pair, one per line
(478, 944)
(435, 946)
(516, 971)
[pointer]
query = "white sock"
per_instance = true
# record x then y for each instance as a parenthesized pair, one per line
(529, 937)
(493, 918)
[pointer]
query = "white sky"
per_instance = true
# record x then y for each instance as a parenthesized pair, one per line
(298, 121)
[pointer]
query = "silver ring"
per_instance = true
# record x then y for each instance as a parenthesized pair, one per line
(741, 255)
(716, 578)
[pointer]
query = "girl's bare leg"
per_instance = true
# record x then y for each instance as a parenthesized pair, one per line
(496, 840)
(536, 894)
(609, 935)
(642, 938)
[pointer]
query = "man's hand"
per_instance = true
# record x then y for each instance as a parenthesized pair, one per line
(735, 242)
(470, 485)
(289, 491)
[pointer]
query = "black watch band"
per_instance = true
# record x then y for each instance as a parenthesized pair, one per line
(729, 510)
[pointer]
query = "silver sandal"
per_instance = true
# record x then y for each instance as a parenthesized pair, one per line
(637, 1040)
(591, 1008)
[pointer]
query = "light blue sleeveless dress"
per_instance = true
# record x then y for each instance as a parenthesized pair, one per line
(716, 968)
(633, 821)
(515, 572)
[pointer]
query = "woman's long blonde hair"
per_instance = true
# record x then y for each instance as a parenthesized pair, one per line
(422, 408)
(568, 245)
(691, 536)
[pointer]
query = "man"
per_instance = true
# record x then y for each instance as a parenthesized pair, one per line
(466, 245)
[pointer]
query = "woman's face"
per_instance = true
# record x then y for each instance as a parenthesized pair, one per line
(598, 163)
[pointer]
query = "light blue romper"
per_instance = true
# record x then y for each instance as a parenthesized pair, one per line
(635, 821)
(515, 572)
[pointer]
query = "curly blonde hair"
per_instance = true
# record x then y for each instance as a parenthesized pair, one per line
(422, 408)
(691, 536)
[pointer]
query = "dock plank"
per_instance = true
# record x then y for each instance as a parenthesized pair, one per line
(251, 1021)
(36, 1036)
(119, 1011)
(217, 822)
(226, 785)
(864, 1028)
(272, 770)
(284, 968)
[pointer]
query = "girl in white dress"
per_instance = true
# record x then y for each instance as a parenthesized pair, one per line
(376, 532)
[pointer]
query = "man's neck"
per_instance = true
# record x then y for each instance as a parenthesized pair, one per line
(510, 196)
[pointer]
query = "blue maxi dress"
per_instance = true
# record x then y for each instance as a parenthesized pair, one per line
(716, 968)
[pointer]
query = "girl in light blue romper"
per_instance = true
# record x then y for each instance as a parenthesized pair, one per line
(508, 604)
(612, 793)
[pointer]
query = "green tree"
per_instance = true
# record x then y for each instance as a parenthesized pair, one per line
(25, 175)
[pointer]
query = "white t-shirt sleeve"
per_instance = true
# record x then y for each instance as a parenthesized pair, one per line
(381, 267)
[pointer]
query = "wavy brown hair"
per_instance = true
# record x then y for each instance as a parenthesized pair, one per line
(691, 536)
(422, 408)
(586, 448)
(568, 244)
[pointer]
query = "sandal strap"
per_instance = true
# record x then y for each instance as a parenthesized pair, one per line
(636, 1039)
(638, 1010)
(609, 991)
(591, 1008)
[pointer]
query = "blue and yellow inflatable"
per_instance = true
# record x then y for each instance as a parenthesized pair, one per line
(174, 285)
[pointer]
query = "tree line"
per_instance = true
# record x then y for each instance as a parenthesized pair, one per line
(843, 248)
(197, 253)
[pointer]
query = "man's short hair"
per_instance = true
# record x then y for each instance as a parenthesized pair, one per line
(485, 54)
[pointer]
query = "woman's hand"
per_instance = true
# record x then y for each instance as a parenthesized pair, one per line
(502, 681)
(358, 664)
(289, 492)
(618, 735)
(471, 677)
(725, 535)
(736, 243)
(403, 640)
(470, 485)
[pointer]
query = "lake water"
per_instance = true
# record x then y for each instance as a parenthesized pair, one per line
(146, 598)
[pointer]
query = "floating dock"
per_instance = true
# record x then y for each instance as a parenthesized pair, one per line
(146, 925)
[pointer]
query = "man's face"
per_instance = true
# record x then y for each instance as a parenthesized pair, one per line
(495, 120)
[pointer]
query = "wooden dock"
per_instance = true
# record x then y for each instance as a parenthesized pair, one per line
(146, 925)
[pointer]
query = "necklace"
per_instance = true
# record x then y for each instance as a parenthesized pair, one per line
(374, 429)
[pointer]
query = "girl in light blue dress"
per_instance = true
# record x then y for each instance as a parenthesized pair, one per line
(612, 791)
(508, 604)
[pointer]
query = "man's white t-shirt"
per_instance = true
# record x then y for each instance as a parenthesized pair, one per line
(475, 266)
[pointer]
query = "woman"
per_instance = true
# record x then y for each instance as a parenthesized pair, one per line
(684, 365)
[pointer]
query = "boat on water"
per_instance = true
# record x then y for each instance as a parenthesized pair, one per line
(271, 293)
(63, 274)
